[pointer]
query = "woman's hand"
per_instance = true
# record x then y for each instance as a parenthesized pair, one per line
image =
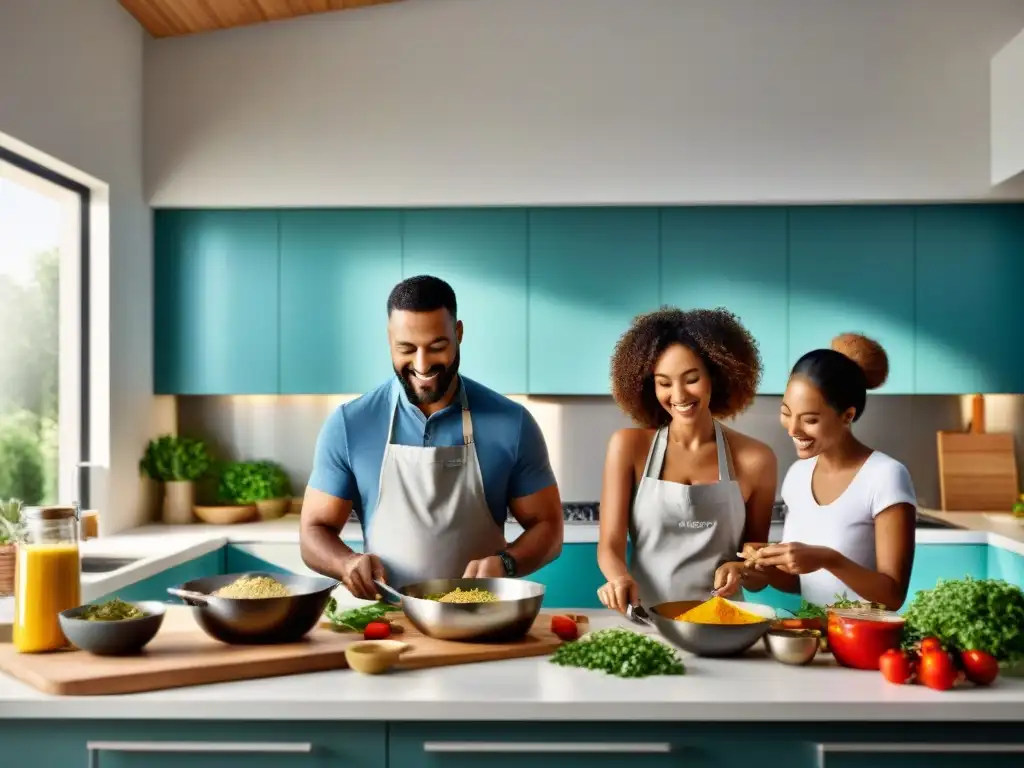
(729, 578)
(619, 594)
(792, 557)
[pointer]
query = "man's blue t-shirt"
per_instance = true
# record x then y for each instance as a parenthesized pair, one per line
(510, 446)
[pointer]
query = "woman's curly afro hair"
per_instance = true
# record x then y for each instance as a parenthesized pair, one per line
(727, 349)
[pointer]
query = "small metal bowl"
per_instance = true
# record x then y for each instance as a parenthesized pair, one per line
(112, 638)
(793, 646)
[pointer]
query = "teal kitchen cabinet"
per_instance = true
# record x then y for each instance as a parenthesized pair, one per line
(337, 269)
(201, 744)
(155, 587)
(591, 270)
(482, 253)
(734, 258)
(970, 268)
(851, 269)
(215, 283)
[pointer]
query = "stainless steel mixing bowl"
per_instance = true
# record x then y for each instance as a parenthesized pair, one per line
(509, 618)
(263, 620)
(704, 639)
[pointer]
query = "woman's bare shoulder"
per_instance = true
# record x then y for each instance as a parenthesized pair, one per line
(630, 441)
(750, 455)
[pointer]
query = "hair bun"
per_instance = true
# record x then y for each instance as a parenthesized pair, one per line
(867, 353)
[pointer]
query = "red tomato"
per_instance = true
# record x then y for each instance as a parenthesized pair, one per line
(931, 644)
(897, 667)
(981, 668)
(937, 670)
(564, 627)
(377, 630)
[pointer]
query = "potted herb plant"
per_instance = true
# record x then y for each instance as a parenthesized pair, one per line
(263, 484)
(10, 533)
(177, 462)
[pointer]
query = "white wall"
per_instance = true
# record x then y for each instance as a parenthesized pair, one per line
(581, 101)
(1007, 93)
(71, 89)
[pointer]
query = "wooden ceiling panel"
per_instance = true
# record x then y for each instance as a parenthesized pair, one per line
(170, 18)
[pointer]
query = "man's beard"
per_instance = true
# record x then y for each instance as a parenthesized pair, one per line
(438, 387)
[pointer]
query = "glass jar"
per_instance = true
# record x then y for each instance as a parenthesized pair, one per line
(48, 577)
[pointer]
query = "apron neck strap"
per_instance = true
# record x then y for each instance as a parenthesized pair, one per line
(656, 456)
(724, 466)
(467, 421)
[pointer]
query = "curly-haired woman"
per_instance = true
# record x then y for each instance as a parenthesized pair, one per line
(852, 510)
(686, 490)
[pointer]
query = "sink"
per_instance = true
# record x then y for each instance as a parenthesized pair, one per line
(94, 564)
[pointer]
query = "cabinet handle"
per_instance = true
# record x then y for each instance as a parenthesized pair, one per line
(638, 747)
(910, 747)
(95, 747)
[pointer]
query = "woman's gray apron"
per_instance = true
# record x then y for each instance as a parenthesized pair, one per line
(431, 518)
(682, 533)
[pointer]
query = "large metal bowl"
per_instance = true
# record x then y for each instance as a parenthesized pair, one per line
(257, 621)
(509, 618)
(704, 639)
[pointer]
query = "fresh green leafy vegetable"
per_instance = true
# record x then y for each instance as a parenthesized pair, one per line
(245, 482)
(970, 615)
(812, 611)
(808, 611)
(173, 457)
(619, 652)
(356, 619)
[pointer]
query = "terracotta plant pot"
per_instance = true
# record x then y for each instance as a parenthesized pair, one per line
(271, 509)
(179, 498)
(8, 559)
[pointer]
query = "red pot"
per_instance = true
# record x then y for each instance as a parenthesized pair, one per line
(858, 637)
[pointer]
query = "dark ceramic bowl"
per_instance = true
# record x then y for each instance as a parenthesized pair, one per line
(112, 638)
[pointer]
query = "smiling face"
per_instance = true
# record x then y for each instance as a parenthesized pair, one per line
(424, 352)
(682, 383)
(814, 425)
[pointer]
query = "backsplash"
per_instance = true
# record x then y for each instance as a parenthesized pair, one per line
(285, 428)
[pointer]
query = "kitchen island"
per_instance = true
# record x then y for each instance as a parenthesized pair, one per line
(505, 712)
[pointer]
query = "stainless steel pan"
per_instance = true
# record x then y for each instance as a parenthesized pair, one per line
(703, 639)
(264, 620)
(509, 618)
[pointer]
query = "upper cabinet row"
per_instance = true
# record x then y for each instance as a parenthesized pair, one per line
(293, 301)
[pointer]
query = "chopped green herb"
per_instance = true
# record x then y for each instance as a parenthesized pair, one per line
(112, 610)
(619, 652)
(356, 619)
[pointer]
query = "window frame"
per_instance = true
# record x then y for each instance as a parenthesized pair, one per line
(84, 200)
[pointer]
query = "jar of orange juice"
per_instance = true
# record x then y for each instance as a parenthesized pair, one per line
(47, 578)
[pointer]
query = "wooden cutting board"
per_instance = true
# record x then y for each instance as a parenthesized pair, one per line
(183, 655)
(977, 471)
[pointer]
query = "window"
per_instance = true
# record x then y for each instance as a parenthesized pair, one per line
(44, 351)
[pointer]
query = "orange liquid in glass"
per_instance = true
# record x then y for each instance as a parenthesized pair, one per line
(47, 581)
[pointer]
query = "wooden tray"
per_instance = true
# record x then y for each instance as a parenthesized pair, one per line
(977, 472)
(183, 655)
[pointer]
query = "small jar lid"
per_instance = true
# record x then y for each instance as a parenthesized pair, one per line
(49, 513)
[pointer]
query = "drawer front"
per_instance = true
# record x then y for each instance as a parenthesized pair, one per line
(925, 755)
(158, 744)
(594, 745)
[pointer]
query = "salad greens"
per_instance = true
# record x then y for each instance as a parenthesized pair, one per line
(356, 619)
(619, 652)
(970, 615)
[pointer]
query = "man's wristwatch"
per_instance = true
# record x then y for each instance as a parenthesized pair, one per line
(509, 562)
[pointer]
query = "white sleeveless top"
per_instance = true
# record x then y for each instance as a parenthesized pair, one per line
(847, 525)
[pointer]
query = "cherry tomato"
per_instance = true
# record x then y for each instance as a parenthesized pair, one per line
(377, 630)
(931, 644)
(564, 627)
(937, 670)
(981, 668)
(897, 667)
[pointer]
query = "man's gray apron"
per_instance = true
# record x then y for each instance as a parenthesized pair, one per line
(431, 518)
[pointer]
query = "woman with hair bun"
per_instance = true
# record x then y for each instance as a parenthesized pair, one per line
(851, 510)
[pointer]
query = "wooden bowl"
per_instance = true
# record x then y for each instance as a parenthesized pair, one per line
(271, 509)
(372, 657)
(226, 515)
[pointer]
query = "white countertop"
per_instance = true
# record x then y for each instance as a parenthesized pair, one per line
(751, 688)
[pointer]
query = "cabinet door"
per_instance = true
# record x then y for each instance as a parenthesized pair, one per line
(733, 258)
(337, 269)
(970, 267)
(591, 271)
(482, 254)
(215, 324)
(851, 269)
